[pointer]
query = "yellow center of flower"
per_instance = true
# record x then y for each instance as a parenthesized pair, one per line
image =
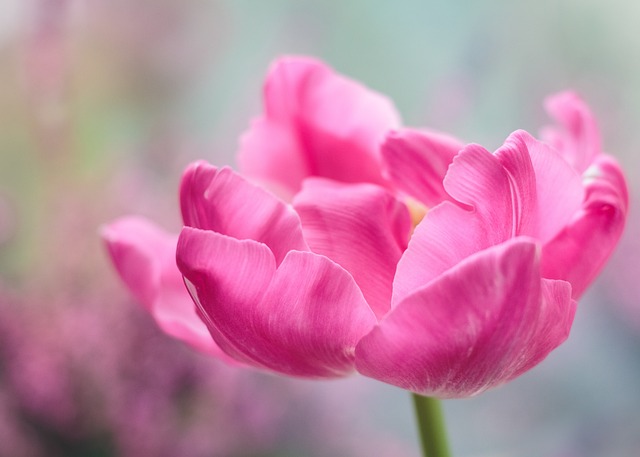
(417, 211)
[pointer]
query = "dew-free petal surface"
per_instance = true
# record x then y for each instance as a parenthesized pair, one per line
(223, 201)
(362, 227)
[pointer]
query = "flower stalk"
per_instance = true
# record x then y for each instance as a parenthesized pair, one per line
(431, 426)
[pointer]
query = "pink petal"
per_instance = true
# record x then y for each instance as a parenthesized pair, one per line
(478, 179)
(223, 201)
(559, 188)
(139, 251)
(450, 233)
(579, 252)
(302, 318)
(144, 256)
(546, 190)
(525, 188)
(416, 161)
(577, 136)
(514, 157)
(483, 323)
(331, 126)
(271, 153)
(362, 227)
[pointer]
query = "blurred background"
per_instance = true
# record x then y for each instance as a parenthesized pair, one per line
(103, 103)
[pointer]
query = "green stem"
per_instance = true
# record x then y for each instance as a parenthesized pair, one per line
(431, 426)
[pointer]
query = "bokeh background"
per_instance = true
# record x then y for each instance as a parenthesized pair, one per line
(102, 104)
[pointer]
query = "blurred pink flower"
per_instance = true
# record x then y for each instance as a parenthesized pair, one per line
(587, 241)
(46, 72)
(145, 258)
(482, 292)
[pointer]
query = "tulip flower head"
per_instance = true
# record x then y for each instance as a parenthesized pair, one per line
(403, 254)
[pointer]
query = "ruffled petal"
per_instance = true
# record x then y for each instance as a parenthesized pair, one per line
(482, 323)
(514, 157)
(332, 125)
(223, 201)
(416, 161)
(302, 318)
(578, 253)
(478, 180)
(144, 257)
(482, 217)
(577, 135)
(362, 227)
(524, 189)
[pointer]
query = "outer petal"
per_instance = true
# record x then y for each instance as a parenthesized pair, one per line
(481, 324)
(416, 161)
(331, 126)
(222, 201)
(362, 227)
(302, 319)
(144, 256)
(577, 136)
(579, 252)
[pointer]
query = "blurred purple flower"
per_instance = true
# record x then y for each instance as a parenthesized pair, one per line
(95, 377)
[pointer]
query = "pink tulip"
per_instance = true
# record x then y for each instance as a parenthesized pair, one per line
(441, 268)
(484, 291)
